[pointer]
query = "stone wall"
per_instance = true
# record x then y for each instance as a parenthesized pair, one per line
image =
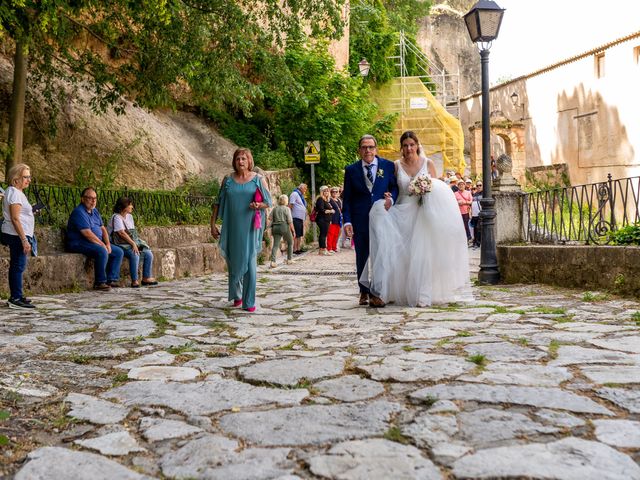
(565, 117)
(587, 267)
(178, 252)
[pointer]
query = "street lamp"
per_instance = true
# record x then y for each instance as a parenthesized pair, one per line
(364, 67)
(483, 23)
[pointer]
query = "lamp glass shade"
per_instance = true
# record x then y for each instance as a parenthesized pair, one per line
(483, 21)
(364, 67)
(514, 98)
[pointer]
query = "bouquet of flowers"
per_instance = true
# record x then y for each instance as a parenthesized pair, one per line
(419, 186)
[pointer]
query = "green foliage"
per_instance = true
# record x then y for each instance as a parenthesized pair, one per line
(629, 235)
(179, 350)
(394, 434)
(198, 186)
(595, 297)
(221, 50)
(326, 105)
(4, 440)
(189, 204)
(239, 129)
(554, 345)
(287, 185)
(273, 159)
(374, 33)
(477, 358)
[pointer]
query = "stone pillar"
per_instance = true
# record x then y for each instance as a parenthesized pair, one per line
(509, 216)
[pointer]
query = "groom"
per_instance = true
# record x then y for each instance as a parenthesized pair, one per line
(370, 179)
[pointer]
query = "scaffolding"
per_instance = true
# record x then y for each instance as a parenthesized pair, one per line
(427, 104)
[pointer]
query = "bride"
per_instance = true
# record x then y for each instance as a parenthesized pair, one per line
(418, 248)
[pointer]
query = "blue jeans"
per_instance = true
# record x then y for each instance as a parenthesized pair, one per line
(107, 265)
(134, 262)
(17, 264)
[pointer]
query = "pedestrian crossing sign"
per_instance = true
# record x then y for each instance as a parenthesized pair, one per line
(312, 152)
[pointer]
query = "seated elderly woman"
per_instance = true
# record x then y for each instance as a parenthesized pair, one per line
(123, 233)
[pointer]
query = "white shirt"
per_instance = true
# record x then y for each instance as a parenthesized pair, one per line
(374, 170)
(475, 207)
(13, 196)
(118, 224)
(298, 209)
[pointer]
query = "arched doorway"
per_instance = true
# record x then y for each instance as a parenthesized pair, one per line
(506, 137)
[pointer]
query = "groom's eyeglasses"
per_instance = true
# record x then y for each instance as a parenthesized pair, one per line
(368, 147)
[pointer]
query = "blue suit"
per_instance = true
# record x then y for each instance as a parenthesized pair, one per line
(357, 201)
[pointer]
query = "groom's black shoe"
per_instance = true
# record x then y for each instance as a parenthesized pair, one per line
(364, 299)
(376, 301)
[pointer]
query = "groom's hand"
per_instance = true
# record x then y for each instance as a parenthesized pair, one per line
(348, 230)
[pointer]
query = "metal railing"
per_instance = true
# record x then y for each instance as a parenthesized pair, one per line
(582, 214)
(151, 208)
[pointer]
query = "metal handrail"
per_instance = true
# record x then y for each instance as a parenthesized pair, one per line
(583, 213)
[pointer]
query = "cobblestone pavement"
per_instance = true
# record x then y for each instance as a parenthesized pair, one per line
(171, 382)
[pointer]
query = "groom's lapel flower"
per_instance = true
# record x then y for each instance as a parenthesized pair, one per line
(380, 173)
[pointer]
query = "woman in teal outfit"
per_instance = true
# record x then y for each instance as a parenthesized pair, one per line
(242, 202)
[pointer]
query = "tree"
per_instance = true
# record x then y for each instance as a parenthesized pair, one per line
(374, 35)
(326, 105)
(156, 52)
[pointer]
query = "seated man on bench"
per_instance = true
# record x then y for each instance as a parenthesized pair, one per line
(87, 234)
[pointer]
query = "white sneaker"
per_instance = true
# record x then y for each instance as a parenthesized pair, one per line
(272, 265)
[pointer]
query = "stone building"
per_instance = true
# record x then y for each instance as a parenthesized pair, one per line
(577, 118)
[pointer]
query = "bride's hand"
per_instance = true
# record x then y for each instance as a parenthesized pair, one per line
(387, 200)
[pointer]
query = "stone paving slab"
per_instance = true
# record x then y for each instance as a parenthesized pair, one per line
(527, 381)
(568, 459)
(375, 459)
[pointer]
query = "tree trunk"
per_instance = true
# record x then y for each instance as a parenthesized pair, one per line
(16, 114)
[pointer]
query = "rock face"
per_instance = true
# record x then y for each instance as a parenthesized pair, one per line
(444, 38)
(158, 149)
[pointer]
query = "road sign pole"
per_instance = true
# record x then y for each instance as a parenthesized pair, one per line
(313, 199)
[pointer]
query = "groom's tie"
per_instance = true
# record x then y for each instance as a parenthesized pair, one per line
(369, 168)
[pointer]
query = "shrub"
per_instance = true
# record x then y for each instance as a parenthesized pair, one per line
(629, 235)
(273, 160)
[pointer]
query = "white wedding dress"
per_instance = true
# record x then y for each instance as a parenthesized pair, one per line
(418, 252)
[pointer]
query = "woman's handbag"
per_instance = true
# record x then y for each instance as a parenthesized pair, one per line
(313, 215)
(133, 233)
(257, 218)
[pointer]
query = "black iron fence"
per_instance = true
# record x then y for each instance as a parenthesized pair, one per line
(582, 214)
(151, 208)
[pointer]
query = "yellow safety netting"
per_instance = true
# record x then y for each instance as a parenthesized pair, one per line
(440, 133)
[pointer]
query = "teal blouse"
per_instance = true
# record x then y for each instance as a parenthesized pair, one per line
(240, 241)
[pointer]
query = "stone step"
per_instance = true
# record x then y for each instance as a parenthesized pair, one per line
(58, 272)
(50, 239)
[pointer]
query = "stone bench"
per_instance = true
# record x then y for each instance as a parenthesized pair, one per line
(179, 252)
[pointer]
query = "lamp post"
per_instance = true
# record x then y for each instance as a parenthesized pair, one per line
(483, 23)
(364, 67)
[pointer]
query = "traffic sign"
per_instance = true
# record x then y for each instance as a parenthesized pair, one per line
(312, 152)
